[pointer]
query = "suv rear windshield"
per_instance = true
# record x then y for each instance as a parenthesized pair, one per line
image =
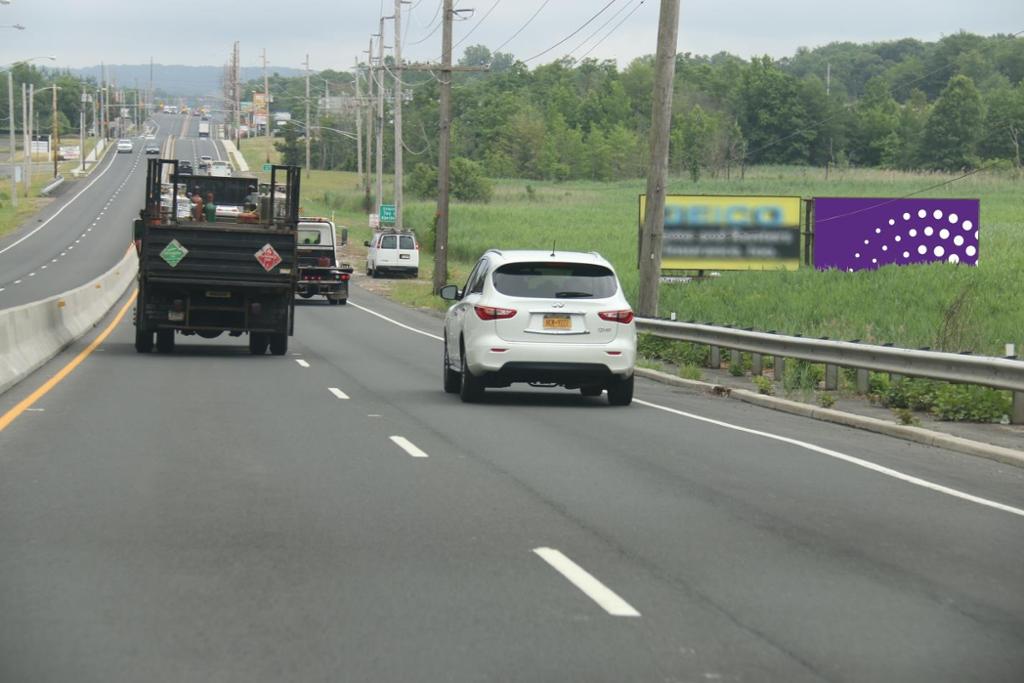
(555, 280)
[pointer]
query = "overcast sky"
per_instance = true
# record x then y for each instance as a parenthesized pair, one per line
(333, 32)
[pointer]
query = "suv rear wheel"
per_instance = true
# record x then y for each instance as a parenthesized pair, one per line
(471, 389)
(620, 391)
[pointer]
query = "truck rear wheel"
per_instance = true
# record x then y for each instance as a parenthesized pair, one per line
(143, 340)
(258, 343)
(279, 344)
(165, 341)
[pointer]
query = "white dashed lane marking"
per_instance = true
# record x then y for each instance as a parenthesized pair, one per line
(302, 363)
(338, 393)
(408, 446)
(585, 581)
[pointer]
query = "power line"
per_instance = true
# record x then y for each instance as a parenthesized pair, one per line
(477, 24)
(583, 26)
(602, 26)
(614, 29)
(523, 27)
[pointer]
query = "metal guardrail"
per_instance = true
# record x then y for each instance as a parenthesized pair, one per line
(57, 182)
(987, 371)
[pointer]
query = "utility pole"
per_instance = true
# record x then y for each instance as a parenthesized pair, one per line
(10, 117)
(446, 69)
(236, 77)
(397, 108)
(380, 116)
(369, 124)
(441, 232)
(828, 92)
(266, 103)
(83, 100)
(359, 126)
(55, 138)
(309, 128)
(26, 144)
(31, 134)
(657, 177)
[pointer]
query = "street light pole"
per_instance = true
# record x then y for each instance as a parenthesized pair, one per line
(55, 136)
(10, 114)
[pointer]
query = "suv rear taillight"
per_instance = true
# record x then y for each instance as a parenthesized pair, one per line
(494, 313)
(625, 316)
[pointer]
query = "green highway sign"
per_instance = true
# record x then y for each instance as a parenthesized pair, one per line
(266, 168)
(387, 213)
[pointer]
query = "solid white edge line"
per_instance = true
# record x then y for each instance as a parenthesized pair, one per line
(395, 322)
(585, 581)
(408, 446)
(12, 245)
(302, 362)
(338, 393)
(881, 469)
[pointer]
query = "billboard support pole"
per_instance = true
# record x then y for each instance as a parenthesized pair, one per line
(809, 232)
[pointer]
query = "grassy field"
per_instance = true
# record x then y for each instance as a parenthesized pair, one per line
(42, 174)
(942, 306)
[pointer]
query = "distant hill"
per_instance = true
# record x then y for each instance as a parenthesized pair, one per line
(177, 79)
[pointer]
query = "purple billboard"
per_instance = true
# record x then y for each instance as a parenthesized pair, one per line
(861, 233)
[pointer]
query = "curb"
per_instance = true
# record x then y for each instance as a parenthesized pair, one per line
(1007, 456)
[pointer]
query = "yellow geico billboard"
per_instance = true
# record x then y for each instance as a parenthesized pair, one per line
(718, 232)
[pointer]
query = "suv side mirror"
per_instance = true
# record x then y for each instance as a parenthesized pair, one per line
(366, 243)
(450, 293)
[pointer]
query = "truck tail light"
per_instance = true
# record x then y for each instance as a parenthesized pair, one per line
(625, 316)
(494, 313)
(345, 277)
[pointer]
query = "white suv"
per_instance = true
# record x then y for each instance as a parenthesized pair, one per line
(540, 317)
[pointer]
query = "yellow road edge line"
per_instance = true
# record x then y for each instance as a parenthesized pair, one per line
(30, 400)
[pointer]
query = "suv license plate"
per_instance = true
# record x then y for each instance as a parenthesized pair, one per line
(557, 322)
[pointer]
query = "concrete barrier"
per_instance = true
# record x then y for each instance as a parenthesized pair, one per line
(32, 334)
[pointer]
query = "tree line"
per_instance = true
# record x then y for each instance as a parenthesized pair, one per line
(953, 104)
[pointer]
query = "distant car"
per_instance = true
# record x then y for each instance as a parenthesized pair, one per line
(150, 136)
(152, 149)
(125, 146)
(550, 318)
(392, 252)
(185, 167)
(220, 169)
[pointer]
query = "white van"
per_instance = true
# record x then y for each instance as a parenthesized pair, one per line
(393, 252)
(220, 169)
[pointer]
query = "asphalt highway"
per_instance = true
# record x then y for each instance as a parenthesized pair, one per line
(331, 515)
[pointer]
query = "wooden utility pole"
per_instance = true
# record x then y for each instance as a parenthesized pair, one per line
(54, 137)
(397, 108)
(266, 103)
(369, 125)
(441, 230)
(309, 128)
(657, 176)
(359, 126)
(380, 115)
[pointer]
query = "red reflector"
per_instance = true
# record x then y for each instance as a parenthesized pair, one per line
(614, 353)
(497, 350)
(625, 317)
(494, 313)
